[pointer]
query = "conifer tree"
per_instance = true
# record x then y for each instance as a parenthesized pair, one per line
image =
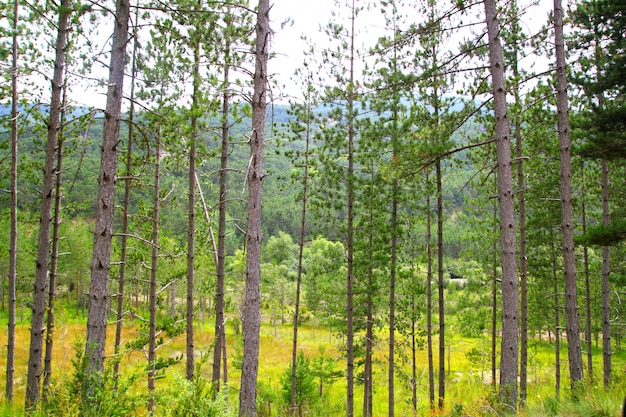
(10, 369)
(255, 175)
(101, 261)
(569, 262)
(509, 351)
(35, 368)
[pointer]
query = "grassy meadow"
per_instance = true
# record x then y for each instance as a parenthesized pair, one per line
(468, 390)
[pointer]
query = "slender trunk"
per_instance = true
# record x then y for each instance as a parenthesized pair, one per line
(126, 205)
(10, 374)
(220, 339)
(296, 315)
(252, 313)
(523, 261)
(567, 220)
(393, 263)
(369, 326)
(191, 209)
(606, 285)
(350, 228)
(494, 298)
(47, 194)
(54, 256)
(429, 303)
(509, 351)
(587, 282)
(557, 324)
(100, 265)
(153, 276)
(440, 286)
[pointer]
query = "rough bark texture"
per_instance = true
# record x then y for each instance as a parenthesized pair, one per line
(101, 260)
(255, 175)
(152, 292)
(220, 338)
(10, 373)
(523, 261)
(126, 204)
(440, 289)
(606, 285)
(47, 194)
(54, 258)
(191, 213)
(587, 283)
(508, 258)
(429, 304)
(567, 216)
(557, 320)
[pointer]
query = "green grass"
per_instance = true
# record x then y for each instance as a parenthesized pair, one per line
(468, 392)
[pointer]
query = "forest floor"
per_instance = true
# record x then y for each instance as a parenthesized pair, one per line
(468, 390)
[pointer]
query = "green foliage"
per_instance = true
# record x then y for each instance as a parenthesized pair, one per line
(195, 398)
(107, 395)
(306, 390)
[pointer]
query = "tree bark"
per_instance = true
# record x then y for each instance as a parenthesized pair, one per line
(587, 282)
(220, 334)
(101, 261)
(557, 322)
(440, 286)
(153, 276)
(429, 303)
(54, 257)
(252, 313)
(47, 194)
(567, 217)
(10, 370)
(509, 351)
(191, 209)
(126, 204)
(606, 285)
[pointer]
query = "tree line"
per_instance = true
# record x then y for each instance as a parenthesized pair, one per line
(381, 128)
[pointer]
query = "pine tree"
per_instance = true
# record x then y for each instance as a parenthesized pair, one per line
(101, 261)
(509, 351)
(35, 367)
(255, 175)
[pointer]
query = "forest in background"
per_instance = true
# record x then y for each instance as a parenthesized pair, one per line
(384, 195)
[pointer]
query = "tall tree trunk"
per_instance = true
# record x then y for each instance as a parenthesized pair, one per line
(305, 183)
(220, 333)
(191, 208)
(606, 285)
(587, 282)
(252, 313)
(509, 351)
(523, 260)
(47, 195)
(350, 226)
(429, 303)
(567, 217)
(521, 202)
(557, 323)
(369, 325)
(126, 202)
(494, 297)
(101, 261)
(54, 256)
(152, 294)
(10, 374)
(440, 286)
(392, 282)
